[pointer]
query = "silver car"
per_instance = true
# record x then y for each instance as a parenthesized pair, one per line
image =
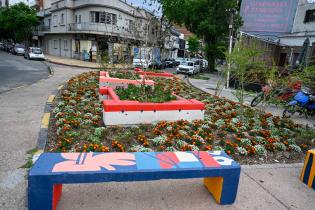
(18, 49)
(34, 53)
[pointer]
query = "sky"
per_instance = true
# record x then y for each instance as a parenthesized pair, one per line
(134, 2)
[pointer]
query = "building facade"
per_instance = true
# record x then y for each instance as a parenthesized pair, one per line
(282, 25)
(4, 3)
(70, 28)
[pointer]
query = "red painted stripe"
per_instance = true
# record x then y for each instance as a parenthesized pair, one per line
(167, 160)
(206, 159)
(153, 73)
(117, 106)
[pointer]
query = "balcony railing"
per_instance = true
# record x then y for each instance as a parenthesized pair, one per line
(102, 28)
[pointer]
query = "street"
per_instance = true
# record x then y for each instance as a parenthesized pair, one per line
(15, 71)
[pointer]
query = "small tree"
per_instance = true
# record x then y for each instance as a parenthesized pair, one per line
(193, 45)
(245, 67)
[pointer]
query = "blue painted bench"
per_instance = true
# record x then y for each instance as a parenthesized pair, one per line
(221, 173)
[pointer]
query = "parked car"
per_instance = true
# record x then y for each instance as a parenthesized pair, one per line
(188, 67)
(8, 47)
(141, 63)
(18, 49)
(34, 53)
(204, 64)
(1, 46)
(170, 63)
(156, 64)
(179, 60)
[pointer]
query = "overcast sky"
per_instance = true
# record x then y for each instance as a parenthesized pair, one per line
(135, 2)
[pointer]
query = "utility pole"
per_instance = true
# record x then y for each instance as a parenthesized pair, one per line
(232, 11)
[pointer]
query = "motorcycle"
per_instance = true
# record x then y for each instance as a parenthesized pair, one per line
(282, 94)
(302, 103)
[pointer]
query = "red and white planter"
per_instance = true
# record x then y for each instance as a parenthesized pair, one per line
(154, 74)
(106, 80)
(118, 112)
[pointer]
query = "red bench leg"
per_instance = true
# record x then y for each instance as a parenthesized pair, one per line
(57, 191)
(42, 194)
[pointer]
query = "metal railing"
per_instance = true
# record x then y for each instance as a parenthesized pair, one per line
(101, 27)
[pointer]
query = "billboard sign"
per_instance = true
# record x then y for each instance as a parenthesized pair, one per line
(268, 16)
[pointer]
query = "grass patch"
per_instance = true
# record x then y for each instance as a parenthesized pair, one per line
(158, 94)
(124, 75)
(200, 76)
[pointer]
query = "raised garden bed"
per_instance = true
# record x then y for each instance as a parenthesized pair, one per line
(130, 112)
(156, 94)
(248, 135)
(106, 80)
(124, 75)
(154, 74)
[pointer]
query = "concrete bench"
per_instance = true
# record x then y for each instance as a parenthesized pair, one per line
(308, 171)
(220, 172)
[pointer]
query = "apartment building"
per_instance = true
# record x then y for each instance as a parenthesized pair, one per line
(72, 27)
(282, 25)
(4, 3)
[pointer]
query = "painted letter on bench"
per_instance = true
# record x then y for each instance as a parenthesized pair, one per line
(93, 162)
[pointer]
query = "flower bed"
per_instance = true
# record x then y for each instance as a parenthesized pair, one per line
(250, 136)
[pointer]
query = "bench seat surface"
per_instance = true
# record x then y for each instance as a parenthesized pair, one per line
(51, 170)
(136, 166)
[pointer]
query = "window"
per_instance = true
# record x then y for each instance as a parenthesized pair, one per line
(78, 19)
(55, 19)
(62, 19)
(103, 17)
(309, 16)
(131, 26)
(55, 44)
(114, 19)
(65, 44)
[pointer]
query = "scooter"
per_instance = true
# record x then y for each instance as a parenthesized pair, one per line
(282, 94)
(302, 103)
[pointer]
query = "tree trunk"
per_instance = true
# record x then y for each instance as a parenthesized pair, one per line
(210, 42)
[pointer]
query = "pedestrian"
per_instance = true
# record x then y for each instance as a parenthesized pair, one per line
(91, 55)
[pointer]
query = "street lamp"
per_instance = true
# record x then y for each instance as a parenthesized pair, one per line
(232, 12)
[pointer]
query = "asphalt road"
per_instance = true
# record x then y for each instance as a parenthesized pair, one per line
(15, 71)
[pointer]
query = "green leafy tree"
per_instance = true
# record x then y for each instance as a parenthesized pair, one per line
(193, 45)
(246, 66)
(17, 22)
(208, 19)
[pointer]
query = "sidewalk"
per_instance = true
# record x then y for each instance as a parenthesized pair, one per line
(210, 85)
(80, 63)
(271, 187)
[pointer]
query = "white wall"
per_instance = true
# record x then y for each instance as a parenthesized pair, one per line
(299, 25)
(63, 45)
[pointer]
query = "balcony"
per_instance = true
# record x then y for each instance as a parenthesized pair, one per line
(102, 28)
(40, 30)
(62, 4)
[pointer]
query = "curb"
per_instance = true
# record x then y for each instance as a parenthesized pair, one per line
(71, 65)
(78, 66)
(43, 133)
